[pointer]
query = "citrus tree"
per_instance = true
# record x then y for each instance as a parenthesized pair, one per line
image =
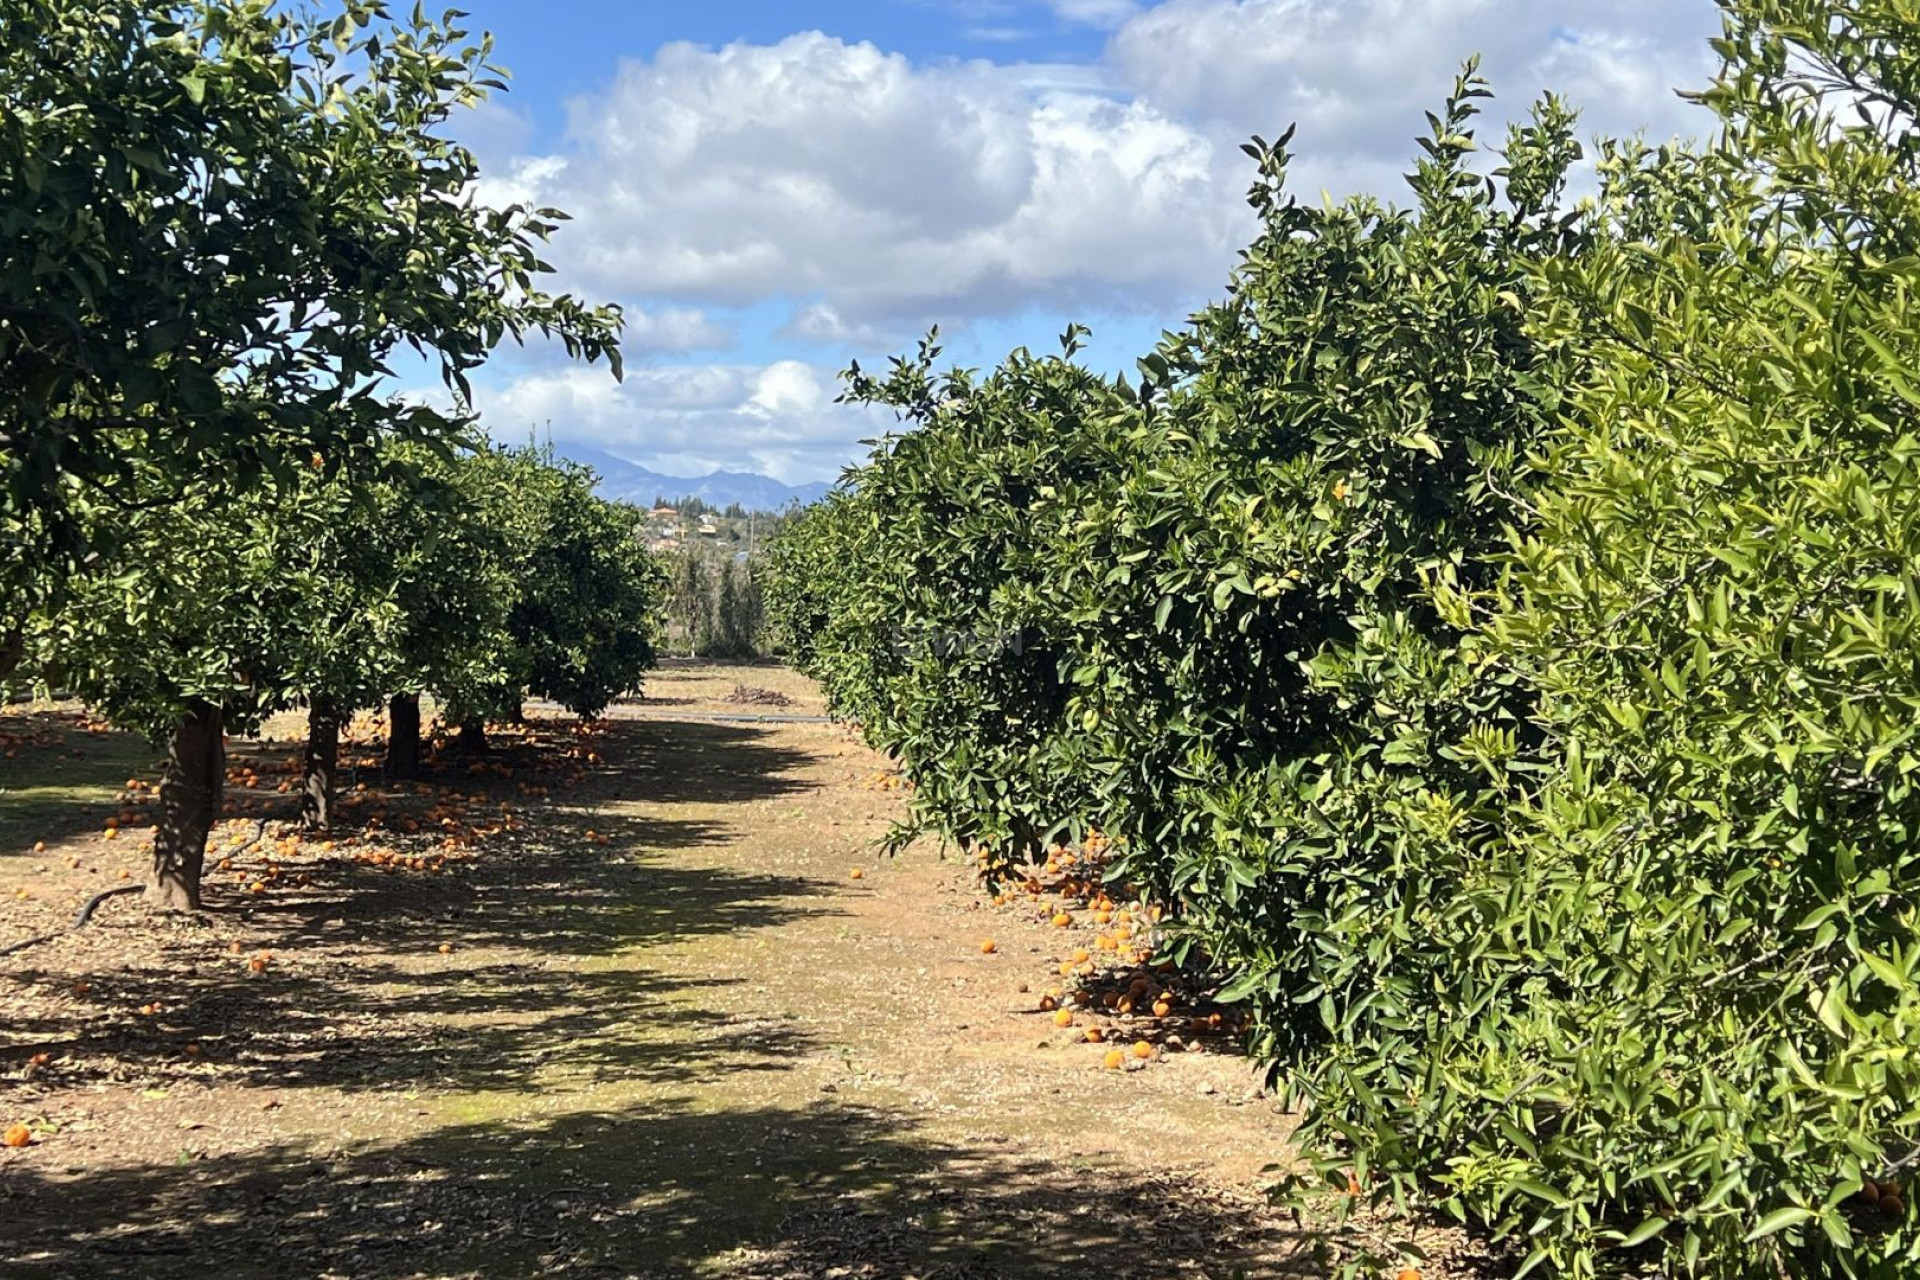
(584, 599)
(954, 658)
(226, 220)
(1699, 939)
(203, 624)
(223, 220)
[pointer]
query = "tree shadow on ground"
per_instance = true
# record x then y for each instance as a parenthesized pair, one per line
(672, 761)
(62, 778)
(359, 995)
(766, 1193)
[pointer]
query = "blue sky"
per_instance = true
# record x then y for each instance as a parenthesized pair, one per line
(772, 190)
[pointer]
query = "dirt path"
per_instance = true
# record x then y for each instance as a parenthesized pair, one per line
(659, 1030)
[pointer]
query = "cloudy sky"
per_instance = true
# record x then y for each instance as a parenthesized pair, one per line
(774, 187)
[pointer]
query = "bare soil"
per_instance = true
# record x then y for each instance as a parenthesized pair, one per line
(607, 1002)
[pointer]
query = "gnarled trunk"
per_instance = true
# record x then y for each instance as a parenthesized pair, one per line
(190, 787)
(319, 765)
(403, 737)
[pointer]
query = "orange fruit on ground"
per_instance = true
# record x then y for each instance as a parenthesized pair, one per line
(446, 948)
(39, 846)
(1141, 1049)
(1095, 1035)
(856, 873)
(1048, 1003)
(1162, 1007)
(1407, 1273)
(17, 1135)
(1115, 1060)
(192, 1050)
(986, 946)
(256, 965)
(1064, 1018)
(1062, 920)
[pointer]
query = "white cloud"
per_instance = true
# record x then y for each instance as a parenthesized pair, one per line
(819, 169)
(673, 329)
(778, 419)
(878, 196)
(1095, 13)
(874, 195)
(1356, 74)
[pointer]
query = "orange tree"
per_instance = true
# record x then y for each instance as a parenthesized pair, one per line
(584, 598)
(1499, 640)
(224, 220)
(480, 579)
(198, 627)
(919, 593)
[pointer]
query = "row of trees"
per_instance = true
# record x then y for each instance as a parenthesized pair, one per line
(715, 604)
(225, 221)
(1492, 626)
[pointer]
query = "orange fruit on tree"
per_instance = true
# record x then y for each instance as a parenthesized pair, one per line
(17, 1135)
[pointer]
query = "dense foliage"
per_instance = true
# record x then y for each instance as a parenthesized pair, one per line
(223, 222)
(1491, 629)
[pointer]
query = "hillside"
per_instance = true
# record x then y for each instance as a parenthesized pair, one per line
(628, 482)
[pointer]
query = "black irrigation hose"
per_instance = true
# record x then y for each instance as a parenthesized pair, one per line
(93, 903)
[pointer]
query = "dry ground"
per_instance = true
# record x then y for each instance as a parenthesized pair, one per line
(657, 1030)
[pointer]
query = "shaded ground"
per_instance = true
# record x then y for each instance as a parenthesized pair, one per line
(645, 1024)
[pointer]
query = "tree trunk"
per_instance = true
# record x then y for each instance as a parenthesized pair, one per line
(190, 787)
(321, 763)
(473, 737)
(403, 737)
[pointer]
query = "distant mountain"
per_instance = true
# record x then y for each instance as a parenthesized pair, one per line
(626, 482)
